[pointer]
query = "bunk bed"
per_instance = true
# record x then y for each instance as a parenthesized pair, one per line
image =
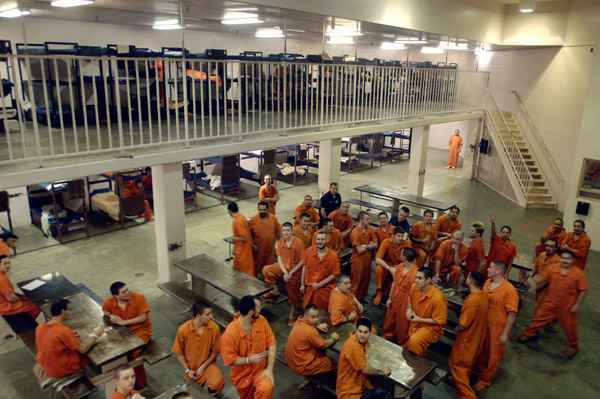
(118, 202)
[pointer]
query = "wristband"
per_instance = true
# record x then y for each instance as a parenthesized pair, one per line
(187, 370)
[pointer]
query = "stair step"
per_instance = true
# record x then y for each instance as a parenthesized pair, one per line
(541, 205)
(538, 190)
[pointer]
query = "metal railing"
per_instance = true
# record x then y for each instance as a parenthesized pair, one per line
(78, 105)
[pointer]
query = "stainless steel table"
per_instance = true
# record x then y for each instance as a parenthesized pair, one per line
(399, 197)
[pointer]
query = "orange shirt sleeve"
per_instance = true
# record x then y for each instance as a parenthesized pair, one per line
(336, 313)
(179, 342)
(467, 315)
(230, 341)
(6, 288)
(335, 266)
(582, 284)
(141, 304)
(440, 310)
(511, 300)
(270, 337)
(356, 358)
(315, 339)
(355, 237)
(382, 249)
(68, 337)
(262, 193)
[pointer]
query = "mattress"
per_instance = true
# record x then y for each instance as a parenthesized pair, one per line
(107, 203)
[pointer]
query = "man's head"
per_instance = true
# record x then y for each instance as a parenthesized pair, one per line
(476, 231)
(457, 132)
(321, 239)
(550, 246)
(423, 278)
(364, 219)
(333, 188)
(398, 235)
(457, 237)
(232, 208)
(327, 225)
(59, 308)
(345, 207)
(10, 239)
(505, 232)
(286, 230)
(311, 314)
(249, 306)
(125, 379)
(566, 259)
(344, 284)
(383, 219)
(363, 330)
(268, 180)
(453, 212)
(428, 216)
(476, 279)
(305, 220)
(578, 226)
(496, 269)
(201, 313)
(263, 209)
(119, 290)
(4, 264)
(408, 255)
(558, 224)
(403, 213)
(308, 201)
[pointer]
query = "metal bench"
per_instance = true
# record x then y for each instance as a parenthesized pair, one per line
(157, 350)
(370, 205)
(74, 386)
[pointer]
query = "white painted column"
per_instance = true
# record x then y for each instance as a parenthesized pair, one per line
(418, 160)
(330, 152)
(169, 220)
(473, 136)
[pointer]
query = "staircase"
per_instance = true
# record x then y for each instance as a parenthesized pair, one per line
(533, 190)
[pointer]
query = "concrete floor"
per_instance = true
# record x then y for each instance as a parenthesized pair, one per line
(129, 255)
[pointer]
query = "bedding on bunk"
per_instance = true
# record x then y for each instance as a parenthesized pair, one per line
(107, 202)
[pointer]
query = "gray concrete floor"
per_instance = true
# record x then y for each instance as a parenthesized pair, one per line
(129, 255)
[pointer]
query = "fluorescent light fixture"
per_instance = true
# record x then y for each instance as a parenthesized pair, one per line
(432, 50)
(14, 13)
(454, 46)
(527, 6)
(392, 46)
(342, 31)
(341, 40)
(269, 33)
(411, 40)
(167, 24)
(71, 3)
(240, 18)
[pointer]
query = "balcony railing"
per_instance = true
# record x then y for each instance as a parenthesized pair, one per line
(78, 105)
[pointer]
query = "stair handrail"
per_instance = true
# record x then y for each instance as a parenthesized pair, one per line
(512, 151)
(538, 138)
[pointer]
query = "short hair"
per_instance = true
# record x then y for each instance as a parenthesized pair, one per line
(363, 321)
(428, 211)
(116, 287)
(304, 215)
(478, 278)
(579, 221)
(333, 184)
(361, 214)
(399, 230)
(120, 369)
(341, 278)
(506, 227)
(246, 305)
(561, 220)
(566, 251)
(262, 203)
(555, 241)
(199, 308)
(320, 232)
(59, 306)
(500, 265)
(308, 196)
(3, 257)
(181, 395)
(7, 235)
(455, 208)
(287, 224)
(410, 254)
(233, 207)
(426, 271)
(382, 214)
(310, 307)
(478, 228)
(405, 209)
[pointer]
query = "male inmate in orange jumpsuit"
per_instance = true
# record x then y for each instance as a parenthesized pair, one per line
(307, 207)
(454, 146)
(268, 193)
(132, 189)
(342, 220)
(388, 255)
(449, 258)
(248, 347)
(10, 302)
(305, 348)
(475, 260)
(385, 229)
(423, 235)
(8, 244)
(577, 242)
(502, 312)
(502, 249)
(305, 230)
(471, 332)
(334, 236)
(321, 268)
(343, 305)
(364, 241)
(427, 312)
(567, 286)
(125, 383)
(243, 258)
(395, 323)
(543, 263)
(265, 231)
(555, 231)
(445, 226)
(197, 345)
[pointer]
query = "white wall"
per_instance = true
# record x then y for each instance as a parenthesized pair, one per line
(19, 209)
(546, 26)
(440, 134)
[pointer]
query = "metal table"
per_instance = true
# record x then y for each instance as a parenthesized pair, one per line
(230, 242)
(56, 286)
(399, 197)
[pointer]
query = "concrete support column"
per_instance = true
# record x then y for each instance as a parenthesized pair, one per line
(470, 157)
(330, 152)
(418, 160)
(169, 220)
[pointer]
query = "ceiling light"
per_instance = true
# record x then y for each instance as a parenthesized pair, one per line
(432, 50)
(454, 46)
(341, 40)
(71, 3)
(168, 24)
(410, 40)
(240, 18)
(392, 46)
(269, 33)
(342, 31)
(12, 9)
(527, 6)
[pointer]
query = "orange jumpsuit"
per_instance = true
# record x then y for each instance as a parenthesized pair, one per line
(342, 222)
(340, 306)
(58, 350)
(504, 251)
(454, 144)
(563, 291)
(265, 232)
(351, 382)
(290, 254)
(391, 254)
(550, 234)
(236, 343)
(395, 323)
(444, 224)
(119, 395)
(243, 259)
(5, 249)
(334, 242)
(131, 190)
(469, 342)
(305, 235)
(384, 232)
(475, 255)
(581, 247)
(542, 264)
(429, 305)
(316, 270)
(503, 300)
(21, 305)
(265, 192)
(305, 350)
(197, 348)
(312, 212)
(445, 254)
(361, 263)
(428, 233)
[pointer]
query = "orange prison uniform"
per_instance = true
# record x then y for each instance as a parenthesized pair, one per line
(361, 263)
(5, 249)
(316, 270)
(429, 305)
(563, 291)
(391, 254)
(503, 300)
(136, 306)
(305, 235)
(550, 234)
(475, 255)
(265, 232)
(340, 306)
(58, 350)
(422, 231)
(312, 212)
(395, 323)
(542, 264)
(21, 305)
(469, 342)
(342, 222)
(444, 224)
(501, 250)
(268, 193)
(243, 258)
(580, 246)
(305, 350)
(333, 242)
(236, 343)
(119, 395)
(454, 145)
(131, 190)
(290, 255)
(445, 254)
(384, 232)
(351, 382)
(197, 348)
